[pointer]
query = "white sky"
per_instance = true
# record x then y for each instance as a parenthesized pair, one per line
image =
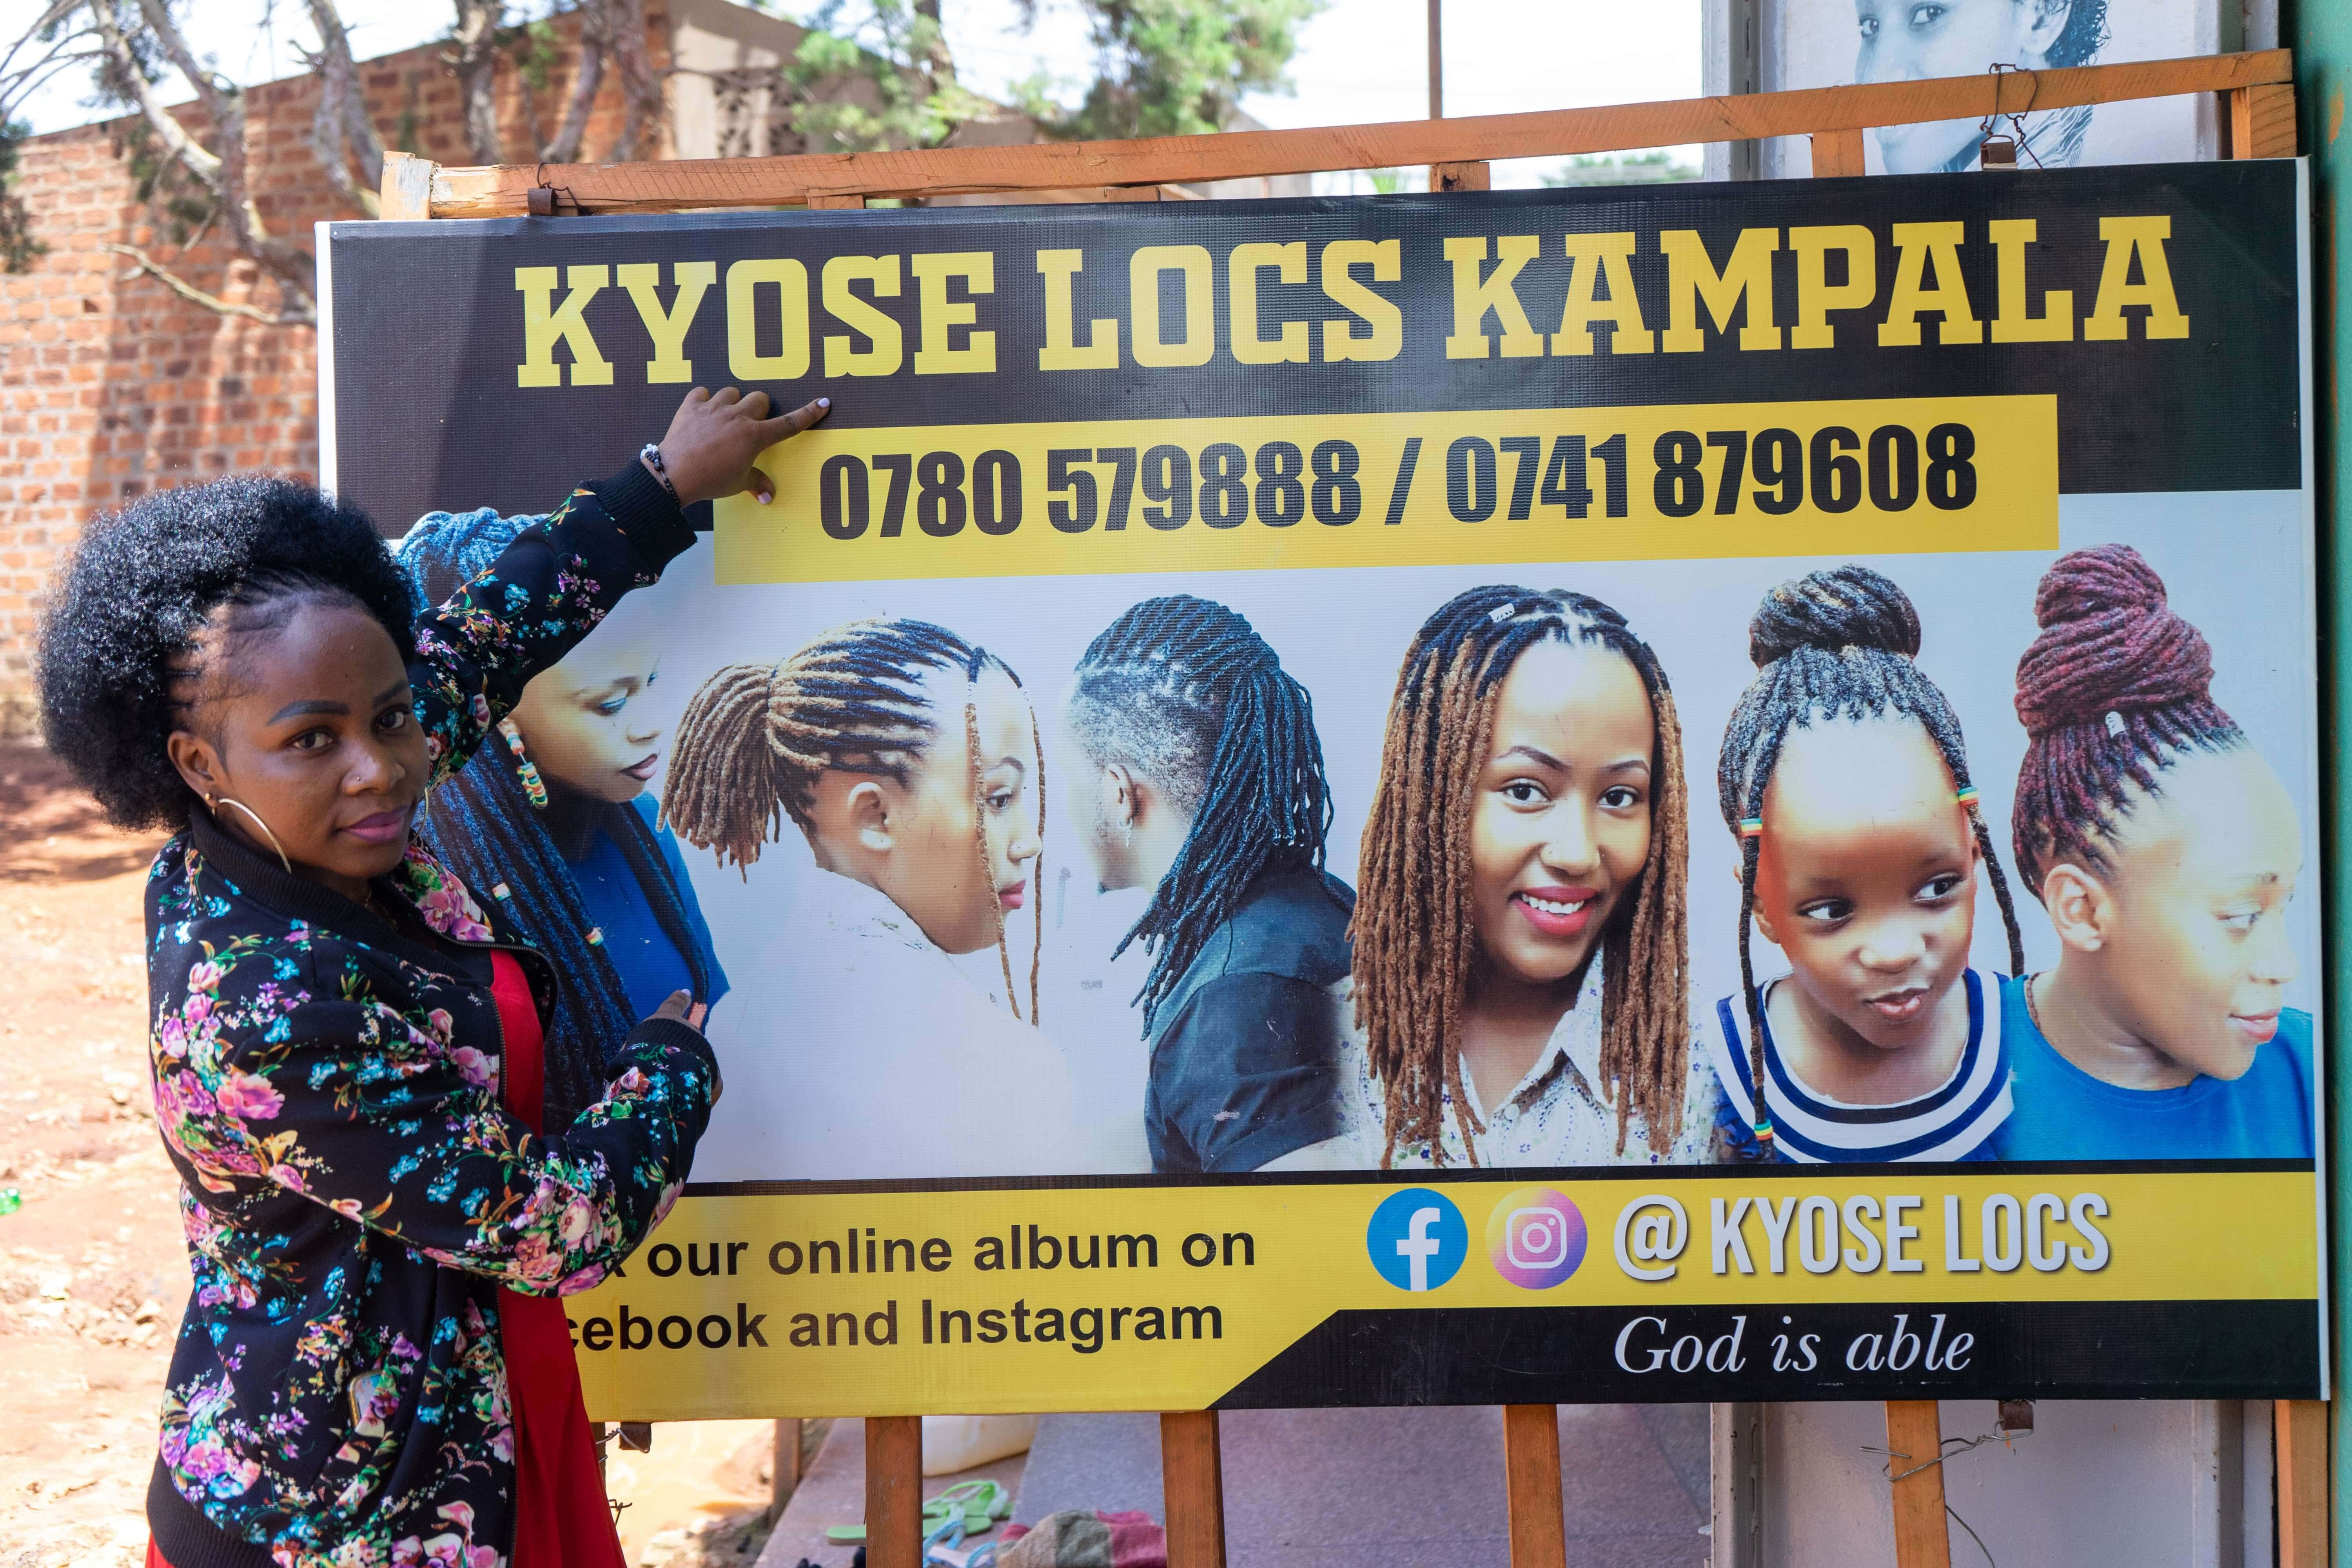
(1360, 60)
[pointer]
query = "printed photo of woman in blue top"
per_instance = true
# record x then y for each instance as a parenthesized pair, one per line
(1845, 778)
(1202, 780)
(2166, 849)
(553, 818)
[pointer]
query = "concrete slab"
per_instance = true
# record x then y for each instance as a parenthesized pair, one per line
(1401, 1487)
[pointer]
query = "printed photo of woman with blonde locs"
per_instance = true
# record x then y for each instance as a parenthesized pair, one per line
(907, 757)
(2165, 850)
(1521, 967)
(1198, 774)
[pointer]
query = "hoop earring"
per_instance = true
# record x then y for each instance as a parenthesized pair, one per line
(213, 804)
(532, 788)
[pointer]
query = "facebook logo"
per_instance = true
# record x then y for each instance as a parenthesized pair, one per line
(1417, 1239)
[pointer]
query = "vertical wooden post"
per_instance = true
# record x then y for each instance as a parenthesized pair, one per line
(1192, 1484)
(784, 1468)
(1472, 176)
(894, 1492)
(2301, 1428)
(1836, 153)
(2261, 120)
(1531, 1486)
(406, 194)
(1913, 1439)
(1436, 60)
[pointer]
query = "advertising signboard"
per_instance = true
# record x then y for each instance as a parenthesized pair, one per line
(1277, 773)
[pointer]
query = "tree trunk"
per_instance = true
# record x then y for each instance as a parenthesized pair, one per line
(586, 77)
(476, 63)
(641, 93)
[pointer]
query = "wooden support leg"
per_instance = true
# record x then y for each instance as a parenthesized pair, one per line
(1836, 153)
(2261, 120)
(2302, 1427)
(894, 1492)
(1922, 1540)
(1478, 176)
(784, 1468)
(407, 192)
(1532, 1485)
(820, 203)
(1192, 1481)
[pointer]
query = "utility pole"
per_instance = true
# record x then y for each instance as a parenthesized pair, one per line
(1436, 62)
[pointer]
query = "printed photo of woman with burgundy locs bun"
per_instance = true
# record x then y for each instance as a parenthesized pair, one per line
(2165, 850)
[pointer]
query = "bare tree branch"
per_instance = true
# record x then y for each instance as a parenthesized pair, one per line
(343, 122)
(192, 154)
(476, 63)
(31, 59)
(587, 77)
(305, 316)
(224, 174)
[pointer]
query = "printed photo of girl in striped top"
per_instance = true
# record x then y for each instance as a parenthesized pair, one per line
(1844, 777)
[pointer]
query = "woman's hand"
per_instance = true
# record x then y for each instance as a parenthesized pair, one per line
(714, 439)
(682, 1007)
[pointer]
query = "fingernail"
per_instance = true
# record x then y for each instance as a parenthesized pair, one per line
(825, 403)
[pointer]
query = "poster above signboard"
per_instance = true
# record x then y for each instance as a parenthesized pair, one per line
(1277, 773)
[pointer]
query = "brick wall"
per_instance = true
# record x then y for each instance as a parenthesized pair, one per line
(111, 384)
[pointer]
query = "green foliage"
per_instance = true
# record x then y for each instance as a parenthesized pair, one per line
(1174, 68)
(874, 74)
(19, 247)
(1656, 167)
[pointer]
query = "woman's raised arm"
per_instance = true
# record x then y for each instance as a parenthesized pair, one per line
(475, 653)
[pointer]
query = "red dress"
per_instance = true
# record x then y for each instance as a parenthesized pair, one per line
(562, 1520)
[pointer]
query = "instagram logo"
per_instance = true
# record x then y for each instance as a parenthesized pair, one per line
(1535, 1237)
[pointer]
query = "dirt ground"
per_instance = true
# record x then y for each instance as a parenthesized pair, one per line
(93, 1275)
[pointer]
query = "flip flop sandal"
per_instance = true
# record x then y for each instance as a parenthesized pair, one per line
(936, 1511)
(983, 1503)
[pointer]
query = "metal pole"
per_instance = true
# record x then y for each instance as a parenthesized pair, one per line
(1436, 63)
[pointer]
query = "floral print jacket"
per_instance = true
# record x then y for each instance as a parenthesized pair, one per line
(353, 1193)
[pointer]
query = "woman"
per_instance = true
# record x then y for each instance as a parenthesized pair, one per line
(554, 819)
(364, 1373)
(1905, 41)
(1205, 782)
(1520, 986)
(908, 758)
(2166, 851)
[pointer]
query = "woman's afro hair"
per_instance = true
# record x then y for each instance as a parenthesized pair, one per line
(140, 585)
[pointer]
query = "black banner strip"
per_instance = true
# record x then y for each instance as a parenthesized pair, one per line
(1586, 1355)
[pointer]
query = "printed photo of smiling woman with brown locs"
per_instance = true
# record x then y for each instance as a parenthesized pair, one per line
(1845, 779)
(2165, 850)
(907, 757)
(1519, 993)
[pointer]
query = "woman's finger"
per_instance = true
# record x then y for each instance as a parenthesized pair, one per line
(794, 421)
(728, 395)
(676, 1006)
(755, 403)
(762, 487)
